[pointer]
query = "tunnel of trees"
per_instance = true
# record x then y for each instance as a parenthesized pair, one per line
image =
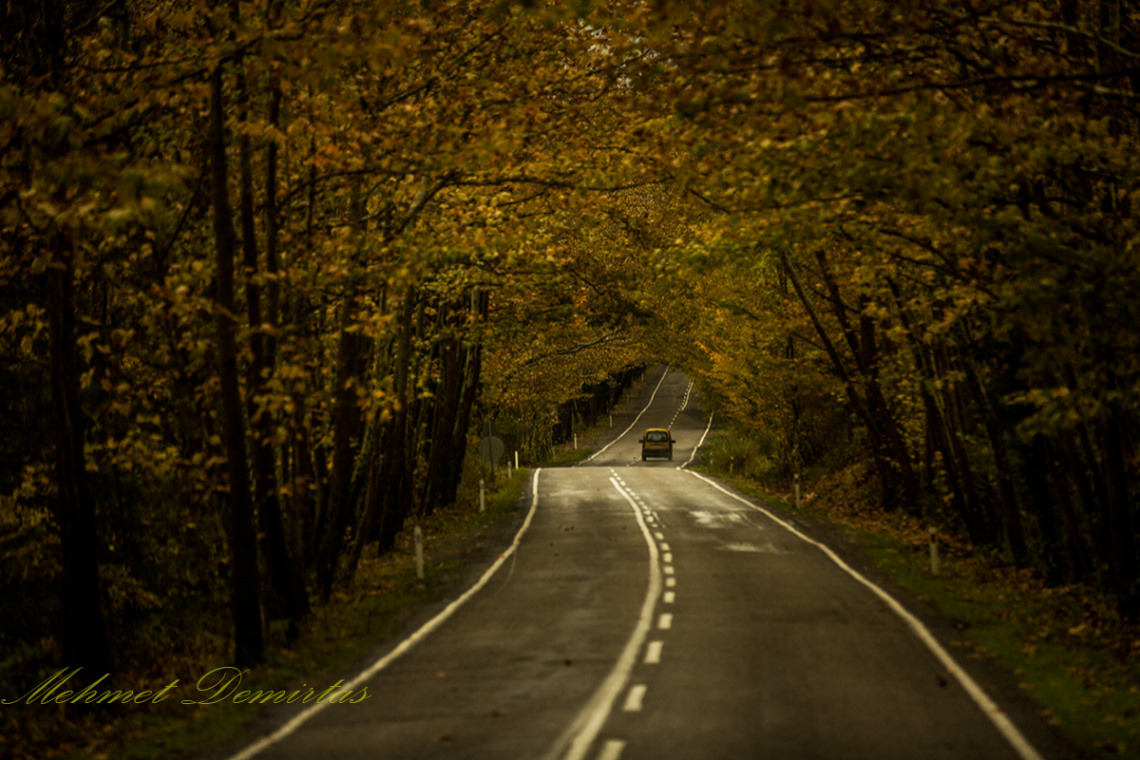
(266, 267)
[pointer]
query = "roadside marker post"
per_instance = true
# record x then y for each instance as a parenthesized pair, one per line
(482, 496)
(933, 552)
(797, 490)
(419, 537)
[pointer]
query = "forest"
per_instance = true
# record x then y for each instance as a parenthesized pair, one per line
(267, 267)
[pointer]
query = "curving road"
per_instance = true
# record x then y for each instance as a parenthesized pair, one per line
(648, 612)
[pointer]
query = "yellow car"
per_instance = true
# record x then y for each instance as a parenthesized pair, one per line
(656, 443)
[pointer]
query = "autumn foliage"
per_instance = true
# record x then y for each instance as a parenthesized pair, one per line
(267, 267)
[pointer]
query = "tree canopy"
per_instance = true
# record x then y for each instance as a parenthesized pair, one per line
(266, 266)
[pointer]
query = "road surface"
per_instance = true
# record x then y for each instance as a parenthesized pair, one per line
(647, 612)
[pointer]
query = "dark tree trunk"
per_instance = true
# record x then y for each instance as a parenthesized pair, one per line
(346, 423)
(472, 368)
(285, 591)
(83, 630)
(1035, 469)
(887, 480)
(1119, 517)
(1008, 505)
(397, 486)
(245, 596)
(442, 443)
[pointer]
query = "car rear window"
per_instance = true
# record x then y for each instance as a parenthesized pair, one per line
(656, 436)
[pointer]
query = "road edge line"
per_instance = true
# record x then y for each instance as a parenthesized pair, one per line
(996, 715)
(700, 443)
(404, 646)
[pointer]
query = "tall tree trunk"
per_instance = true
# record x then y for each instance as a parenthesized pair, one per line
(1007, 493)
(472, 364)
(285, 592)
(245, 595)
(1035, 469)
(346, 419)
(1119, 517)
(887, 480)
(396, 482)
(865, 351)
(83, 630)
(446, 409)
(472, 367)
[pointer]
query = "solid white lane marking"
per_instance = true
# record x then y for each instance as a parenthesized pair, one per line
(635, 419)
(669, 597)
(634, 697)
(996, 715)
(693, 455)
(653, 652)
(422, 633)
(575, 741)
(665, 622)
(612, 750)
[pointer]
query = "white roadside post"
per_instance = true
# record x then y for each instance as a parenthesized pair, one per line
(482, 496)
(419, 537)
(516, 459)
(797, 490)
(933, 552)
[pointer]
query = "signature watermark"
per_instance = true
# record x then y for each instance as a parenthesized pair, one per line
(219, 685)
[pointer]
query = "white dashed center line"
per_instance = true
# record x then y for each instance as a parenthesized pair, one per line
(612, 750)
(635, 696)
(633, 699)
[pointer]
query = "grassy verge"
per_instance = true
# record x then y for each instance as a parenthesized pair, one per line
(1066, 646)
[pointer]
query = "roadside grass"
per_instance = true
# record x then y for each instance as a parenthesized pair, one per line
(1067, 647)
(566, 457)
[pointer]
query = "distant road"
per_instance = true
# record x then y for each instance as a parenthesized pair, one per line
(649, 613)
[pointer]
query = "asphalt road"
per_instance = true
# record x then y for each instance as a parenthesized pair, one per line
(646, 612)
